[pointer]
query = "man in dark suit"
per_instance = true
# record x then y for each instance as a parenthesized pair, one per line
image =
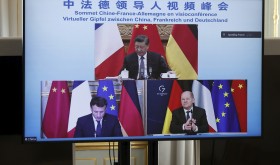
(153, 63)
(189, 118)
(98, 123)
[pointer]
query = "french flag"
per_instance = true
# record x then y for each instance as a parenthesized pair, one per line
(80, 104)
(203, 99)
(109, 50)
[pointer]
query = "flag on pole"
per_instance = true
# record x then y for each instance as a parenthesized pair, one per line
(55, 120)
(239, 93)
(224, 107)
(107, 91)
(182, 51)
(130, 112)
(109, 50)
(151, 31)
(80, 104)
(173, 103)
(202, 94)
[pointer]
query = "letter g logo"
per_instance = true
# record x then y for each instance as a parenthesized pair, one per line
(161, 88)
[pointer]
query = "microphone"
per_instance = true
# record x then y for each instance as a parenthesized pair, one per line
(141, 73)
(150, 72)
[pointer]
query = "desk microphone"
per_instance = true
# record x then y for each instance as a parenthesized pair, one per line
(141, 73)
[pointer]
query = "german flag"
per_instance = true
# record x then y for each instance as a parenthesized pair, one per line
(182, 51)
(130, 112)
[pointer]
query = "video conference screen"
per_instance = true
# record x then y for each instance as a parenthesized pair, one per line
(100, 70)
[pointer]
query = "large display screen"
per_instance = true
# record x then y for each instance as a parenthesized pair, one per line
(84, 79)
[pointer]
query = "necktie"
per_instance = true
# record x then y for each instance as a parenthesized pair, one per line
(98, 129)
(188, 115)
(141, 73)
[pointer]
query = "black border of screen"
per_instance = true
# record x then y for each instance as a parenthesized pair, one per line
(131, 138)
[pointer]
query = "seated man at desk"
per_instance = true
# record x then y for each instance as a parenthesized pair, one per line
(189, 119)
(98, 123)
(143, 64)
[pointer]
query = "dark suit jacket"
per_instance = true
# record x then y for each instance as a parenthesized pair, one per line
(155, 63)
(110, 126)
(178, 119)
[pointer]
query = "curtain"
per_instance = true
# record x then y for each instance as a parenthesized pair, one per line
(271, 19)
(182, 152)
(11, 18)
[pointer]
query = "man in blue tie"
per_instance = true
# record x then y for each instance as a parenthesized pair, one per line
(98, 123)
(189, 118)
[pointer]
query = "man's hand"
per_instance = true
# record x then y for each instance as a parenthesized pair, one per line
(193, 125)
(190, 125)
